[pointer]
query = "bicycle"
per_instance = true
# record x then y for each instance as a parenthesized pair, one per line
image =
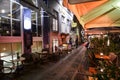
(6, 75)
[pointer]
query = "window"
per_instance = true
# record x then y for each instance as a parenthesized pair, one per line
(63, 25)
(36, 22)
(16, 22)
(68, 26)
(55, 21)
(55, 44)
(55, 25)
(5, 27)
(16, 28)
(10, 25)
(39, 24)
(8, 52)
(37, 46)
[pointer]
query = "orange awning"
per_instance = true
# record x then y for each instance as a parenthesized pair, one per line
(80, 10)
(83, 8)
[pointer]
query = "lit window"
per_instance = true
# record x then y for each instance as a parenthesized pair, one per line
(55, 44)
(55, 21)
(63, 25)
(55, 24)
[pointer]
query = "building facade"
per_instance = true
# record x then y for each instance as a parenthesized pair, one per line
(59, 24)
(20, 30)
(28, 26)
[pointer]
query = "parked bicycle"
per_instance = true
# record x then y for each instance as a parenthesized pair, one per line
(6, 73)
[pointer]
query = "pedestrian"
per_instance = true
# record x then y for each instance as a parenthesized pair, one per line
(70, 41)
(56, 48)
(86, 44)
(76, 42)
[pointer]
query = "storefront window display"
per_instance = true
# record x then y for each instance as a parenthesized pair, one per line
(9, 52)
(36, 24)
(55, 21)
(5, 18)
(36, 21)
(16, 19)
(10, 25)
(37, 46)
(10, 18)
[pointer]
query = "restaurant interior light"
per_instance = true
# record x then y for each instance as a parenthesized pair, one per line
(108, 42)
(118, 4)
(4, 49)
(101, 54)
(101, 70)
(2, 11)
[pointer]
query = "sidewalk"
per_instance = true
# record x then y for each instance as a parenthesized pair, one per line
(63, 69)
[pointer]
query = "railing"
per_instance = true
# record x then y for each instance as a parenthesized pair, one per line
(6, 72)
(4, 69)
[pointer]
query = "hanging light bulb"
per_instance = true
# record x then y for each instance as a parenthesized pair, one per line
(101, 70)
(2, 11)
(118, 5)
(108, 42)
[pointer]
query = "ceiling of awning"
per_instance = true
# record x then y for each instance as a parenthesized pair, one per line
(80, 1)
(30, 4)
(95, 13)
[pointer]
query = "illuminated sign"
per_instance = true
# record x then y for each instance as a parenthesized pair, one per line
(27, 19)
(74, 24)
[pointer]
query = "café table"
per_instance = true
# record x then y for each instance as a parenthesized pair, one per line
(17, 60)
(102, 61)
(105, 57)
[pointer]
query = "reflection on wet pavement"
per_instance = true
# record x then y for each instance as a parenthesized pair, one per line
(67, 68)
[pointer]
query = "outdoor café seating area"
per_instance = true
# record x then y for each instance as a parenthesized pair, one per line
(28, 59)
(104, 58)
(106, 67)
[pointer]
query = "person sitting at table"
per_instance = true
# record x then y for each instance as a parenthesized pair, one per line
(46, 49)
(28, 58)
(86, 44)
(113, 57)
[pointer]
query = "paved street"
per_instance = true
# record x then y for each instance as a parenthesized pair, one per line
(69, 67)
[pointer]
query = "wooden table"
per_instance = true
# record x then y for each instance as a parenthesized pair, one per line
(20, 59)
(92, 71)
(98, 56)
(43, 54)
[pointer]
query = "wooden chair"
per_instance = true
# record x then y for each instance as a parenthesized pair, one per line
(92, 60)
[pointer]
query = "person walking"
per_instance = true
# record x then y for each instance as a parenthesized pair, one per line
(76, 42)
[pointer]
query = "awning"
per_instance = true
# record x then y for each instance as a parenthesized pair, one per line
(80, 1)
(29, 4)
(86, 12)
(48, 10)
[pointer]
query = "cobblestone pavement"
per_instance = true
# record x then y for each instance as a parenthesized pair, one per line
(67, 68)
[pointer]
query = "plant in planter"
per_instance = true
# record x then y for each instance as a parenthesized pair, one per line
(107, 70)
(101, 45)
